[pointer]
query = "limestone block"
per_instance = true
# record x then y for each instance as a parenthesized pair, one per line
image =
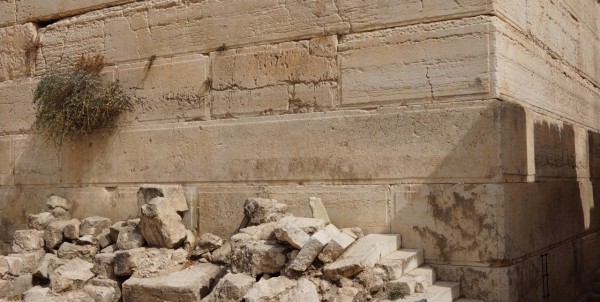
(161, 225)
(313, 247)
(210, 242)
(60, 213)
(94, 225)
(102, 282)
(191, 284)
(18, 49)
(36, 161)
(104, 265)
(14, 265)
(48, 263)
(231, 288)
(130, 239)
(171, 88)
(256, 257)
(100, 293)
(291, 233)
(460, 212)
(462, 142)
(71, 230)
(116, 203)
(420, 63)
(53, 234)
(222, 255)
(150, 262)
(104, 239)
(366, 15)
(72, 275)
(38, 294)
(27, 241)
(366, 252)
(6, 161)
(31, 260)
(336, 247)
(305, 290)
(318, 209)
(17, 112)
(269, 289)
(71, 251)
(7, 12)
(424, 276)
(58, 202)
(173, 194)
(410, 259)
(39, 10)
(372, 279)
(166, 28)
(262, 210)
(306, 224)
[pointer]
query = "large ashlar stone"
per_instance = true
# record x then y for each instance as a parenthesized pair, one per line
(94, 225)
(72, 275)
(27, 241)
(365, 252)
(17, 51)
(256, 257)
(231, 288)
(7, 12)
(161, 225)
(15, 115)
(173, 194)
(313, 247)
(39, 10)
(191, 284)
(262, 210)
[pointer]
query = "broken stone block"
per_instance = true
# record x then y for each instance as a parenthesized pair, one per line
(336, 247)
(210, 242)
(365, 252)
(150, 262)
(130, 239)
(100, 293)
(423, 276)
(71, 230)
(54, 202)
(94, 225)
(288, 232)
(104, 265)
(53, 234)
(110, 249)
(262, 210)
(190, 242)
(38, 294)
(71, 251)
(269, 289)
(5, 288)
(265, 231)
(231, 288)
(60, 214)
(161, 225)
(103, 239)
(102, 282)
(347, 294)
(308, 225)
(87, 240)
(409, 258)
(256, 257)
(175, 195)
(191, 284)
(354, 232)
(30, 261)
(27, 241)
(75, 295)
(40, 221)
(403, 285)
(372, 279)
(15, 265)
(49, 262)
(318, 209)
(313, 247)
(72, 275)
(222, 255)
(303, 291)
(393, 270)
(117, 228)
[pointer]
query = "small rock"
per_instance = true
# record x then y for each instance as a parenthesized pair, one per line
(21, 284)
(347, 294)
(161, 225)
(210, 242)
(231, 288)
(27, 241)
(318, 209)
(71, 251)
(40, 221)
(175, 195)
(117, 228)
(261, 210)
(403, 286)
(54, 202)
(94, 225)
(372, 279)
(72, 275)
(190, 242)
(71, 230)
(288, 232)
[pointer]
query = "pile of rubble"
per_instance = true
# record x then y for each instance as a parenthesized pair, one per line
(276, 257)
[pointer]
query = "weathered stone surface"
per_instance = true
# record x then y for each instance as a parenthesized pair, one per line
(130, 239)
(303, 291)
(6, 155)
(21, 284)
(256, 257)
(102, 282)
(104, 265)
(410, 259)
(288, 232)
(149, 262)
(372, 279)
(100, 293)
(38, 294)
(161, 225)
(222, 255)
(27, 241)
(18, 49)
(336, 247)
(262, 210)
(7, 12)
(71, 251)
(36, 10)
(210, 242)
(60, 213)
(16, 116)
(264, 231)
(94, 225)
(49, 262)
(318, 209)
(231, 288)
(270, 289)
(14, 265)
(53, 234)
(57, 201)
(308, 225)
(40, 221)
(71, 230)
(191, 284)
(104, 239)
(365, 252)
(313, 247)
(173, 194)
(72, 275)
(117, 228)
(31, 260)
(354, 232)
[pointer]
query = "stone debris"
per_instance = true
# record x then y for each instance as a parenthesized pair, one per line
(318, 209)
(278, 257)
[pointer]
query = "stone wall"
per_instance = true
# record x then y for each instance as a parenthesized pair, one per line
(470, 126)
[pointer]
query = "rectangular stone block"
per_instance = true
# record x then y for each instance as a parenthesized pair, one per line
(365, 15)
(173, 89)
(6, 162)
(116, 203)
(17, 51)
(419, 63)
(459, 141)
(41, 10)
(166, 27)
(17, 112)
(36, 161)
(456, 223)
(7, 12)
(555, 144)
